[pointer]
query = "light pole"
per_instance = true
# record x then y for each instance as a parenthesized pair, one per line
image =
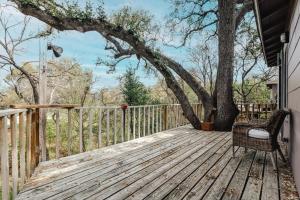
(57, 51)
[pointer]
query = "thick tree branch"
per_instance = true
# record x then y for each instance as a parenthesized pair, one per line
(247, 7)
(158, 60)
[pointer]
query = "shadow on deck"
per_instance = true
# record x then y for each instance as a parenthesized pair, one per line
(180, 163)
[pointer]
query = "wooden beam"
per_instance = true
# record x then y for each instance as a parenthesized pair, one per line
(24, 106)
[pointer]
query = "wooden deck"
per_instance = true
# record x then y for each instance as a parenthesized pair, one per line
(181, 163)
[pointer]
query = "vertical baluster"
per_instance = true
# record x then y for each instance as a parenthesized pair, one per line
(266, 111)
(90, 144)
(139, 122)
(80, 130)
(169, 117)
(133, 123)
(115, 126)
(149, 118)
(153, 118)
(100, 128)
(176, 115)
(165, 117)
(128, 124)
(34, 139)
(258, 109)
(123, 124)
(144, 121)
(69, 131)
(179, 116)
(4, 158)
(252, 115)
(28, 142)
(57, 133)
(107, 127)
(14, 154)
(157, 122)
(160, 118)
(22, 140)
(172, 117)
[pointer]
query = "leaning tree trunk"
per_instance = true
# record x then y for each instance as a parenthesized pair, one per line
(226, 109)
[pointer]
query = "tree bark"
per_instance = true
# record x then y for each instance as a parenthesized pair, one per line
(226, 108)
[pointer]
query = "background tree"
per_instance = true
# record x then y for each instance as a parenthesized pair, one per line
(202, 58)
(250, 70)
(134, 91)
(67, 83)
(11, 46)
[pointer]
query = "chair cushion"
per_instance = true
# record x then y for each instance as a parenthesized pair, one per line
(259, 134)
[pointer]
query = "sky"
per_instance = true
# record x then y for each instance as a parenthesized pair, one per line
(85, 48)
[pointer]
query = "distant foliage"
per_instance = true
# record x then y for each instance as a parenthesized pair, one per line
(255, 90)
(134, 92)
(136, 21)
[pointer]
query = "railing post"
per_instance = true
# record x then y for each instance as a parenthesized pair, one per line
(69, 131)
(139, 122)
(115, 126)
(133, 124)
(90, 143)
(58, 138)
(144, 121)
(35, 139)
(28, 142)
(160, 118)
(14, 153)
(165, 117)
(100, 128)
(107, 127)
(4, 158)
(149, 118)
(22, 141)
(153, 118)
(81, 130)
(123, 123)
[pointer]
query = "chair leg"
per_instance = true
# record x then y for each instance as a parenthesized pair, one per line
(281, 154)
(246, 149)
(273, 161)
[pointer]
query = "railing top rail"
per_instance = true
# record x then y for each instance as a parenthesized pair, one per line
(24, 106)
(8, 112)
(119, 106)
(76, 106)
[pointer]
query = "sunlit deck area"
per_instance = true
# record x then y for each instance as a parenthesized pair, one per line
(180, 163)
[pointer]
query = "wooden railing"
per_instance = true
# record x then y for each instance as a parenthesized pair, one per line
(255, 111)
(17, 149)
(70, 130)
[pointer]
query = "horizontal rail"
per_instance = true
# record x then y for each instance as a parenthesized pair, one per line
(9, 112)
(24, 106)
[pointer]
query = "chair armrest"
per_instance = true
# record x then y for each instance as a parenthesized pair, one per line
(249, 125)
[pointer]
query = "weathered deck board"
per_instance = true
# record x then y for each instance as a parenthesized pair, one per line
(181, 163)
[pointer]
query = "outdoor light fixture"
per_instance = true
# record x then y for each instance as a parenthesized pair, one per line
(57, 51)
(284, 37)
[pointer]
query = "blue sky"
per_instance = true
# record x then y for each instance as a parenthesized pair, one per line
(87, 47)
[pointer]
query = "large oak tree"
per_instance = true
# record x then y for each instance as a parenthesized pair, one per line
(228, 13)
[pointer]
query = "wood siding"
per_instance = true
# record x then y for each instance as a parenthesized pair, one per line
(292, 125)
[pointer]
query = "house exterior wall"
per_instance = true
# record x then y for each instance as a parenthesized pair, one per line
(291, 63)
